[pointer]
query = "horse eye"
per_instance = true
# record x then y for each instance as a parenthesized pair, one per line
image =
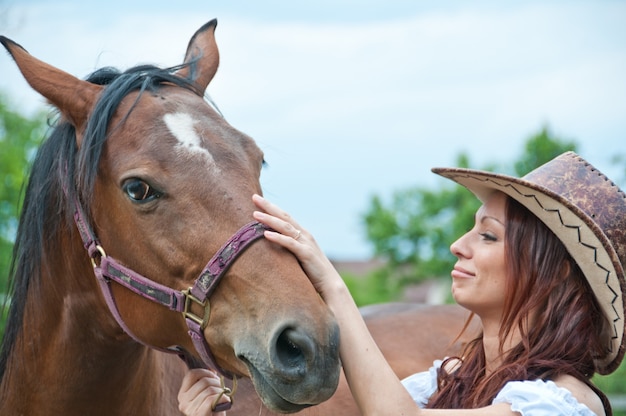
(139, 191)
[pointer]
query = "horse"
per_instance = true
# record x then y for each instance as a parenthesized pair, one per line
(140, 182)
(410, 335)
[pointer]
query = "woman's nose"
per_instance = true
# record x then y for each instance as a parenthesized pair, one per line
(459, 247)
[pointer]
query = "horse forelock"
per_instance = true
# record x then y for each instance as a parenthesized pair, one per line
(60, 172)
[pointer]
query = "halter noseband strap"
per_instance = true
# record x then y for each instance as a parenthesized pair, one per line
(107, 269)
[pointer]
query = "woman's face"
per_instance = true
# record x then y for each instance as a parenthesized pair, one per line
(478, 278)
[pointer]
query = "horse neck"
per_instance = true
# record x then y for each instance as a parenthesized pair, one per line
(71, 357)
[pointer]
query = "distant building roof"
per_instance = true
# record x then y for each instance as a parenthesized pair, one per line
(357, 267)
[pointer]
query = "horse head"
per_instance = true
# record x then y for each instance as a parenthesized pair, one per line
(162, 180)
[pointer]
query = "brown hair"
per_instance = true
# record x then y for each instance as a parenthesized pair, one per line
(549, 301)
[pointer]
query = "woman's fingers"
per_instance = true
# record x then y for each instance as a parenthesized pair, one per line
(288, 234)
(279, 226)
(277, 219)
(265, 205)
(198, 392)
(193, 382)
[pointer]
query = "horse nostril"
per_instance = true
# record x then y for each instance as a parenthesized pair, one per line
(292, 350)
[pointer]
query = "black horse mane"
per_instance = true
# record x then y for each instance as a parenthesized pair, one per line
(62, 172)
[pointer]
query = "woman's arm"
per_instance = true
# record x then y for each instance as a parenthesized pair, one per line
(374, 386)
(373, 383)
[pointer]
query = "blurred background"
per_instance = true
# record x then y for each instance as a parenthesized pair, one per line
(353, 102)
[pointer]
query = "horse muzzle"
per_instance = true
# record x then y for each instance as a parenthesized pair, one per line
(296, 370)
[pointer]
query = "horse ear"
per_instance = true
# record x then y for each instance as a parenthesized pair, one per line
(72, 96)
(202, 57)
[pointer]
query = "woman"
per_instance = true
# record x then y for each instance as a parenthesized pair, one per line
(543, 269)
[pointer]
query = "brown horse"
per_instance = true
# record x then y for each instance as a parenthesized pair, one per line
(139, 183)
(411, 336)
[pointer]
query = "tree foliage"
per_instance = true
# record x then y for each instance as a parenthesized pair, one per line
(412, 232)
(539, 149)
(19, 138)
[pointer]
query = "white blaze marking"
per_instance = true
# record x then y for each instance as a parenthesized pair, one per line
(181, 126)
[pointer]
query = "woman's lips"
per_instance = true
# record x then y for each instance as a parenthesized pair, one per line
(461, 273)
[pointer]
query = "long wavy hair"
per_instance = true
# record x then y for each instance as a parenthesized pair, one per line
(550, 303)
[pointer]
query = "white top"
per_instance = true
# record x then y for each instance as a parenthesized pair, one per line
(529, 398)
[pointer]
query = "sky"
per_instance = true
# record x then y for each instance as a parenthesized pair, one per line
(354, 99)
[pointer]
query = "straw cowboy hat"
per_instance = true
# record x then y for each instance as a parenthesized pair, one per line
(587, 212)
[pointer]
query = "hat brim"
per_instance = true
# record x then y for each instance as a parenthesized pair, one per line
(584, 240)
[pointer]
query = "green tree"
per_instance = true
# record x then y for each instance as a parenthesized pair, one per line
(19, 138)
(539, 149)
(412, 232)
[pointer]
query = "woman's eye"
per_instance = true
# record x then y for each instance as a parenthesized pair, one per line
(488, 237)
(139, 191)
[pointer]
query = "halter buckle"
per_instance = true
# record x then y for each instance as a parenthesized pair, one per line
(187, 313)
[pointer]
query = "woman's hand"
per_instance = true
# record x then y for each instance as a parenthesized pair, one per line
(289, 234)
(199, 391)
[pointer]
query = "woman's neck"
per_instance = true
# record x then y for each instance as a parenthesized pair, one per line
(494, 348)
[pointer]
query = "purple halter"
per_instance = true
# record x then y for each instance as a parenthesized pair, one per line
(107, 269)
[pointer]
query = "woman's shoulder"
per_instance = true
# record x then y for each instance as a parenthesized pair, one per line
(582, 392)
(422, 385)
(565, 395)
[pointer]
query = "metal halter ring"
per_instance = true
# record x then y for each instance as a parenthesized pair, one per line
(226, 391)
(102, 253)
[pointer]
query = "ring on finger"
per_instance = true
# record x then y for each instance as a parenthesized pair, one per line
(298, 233)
